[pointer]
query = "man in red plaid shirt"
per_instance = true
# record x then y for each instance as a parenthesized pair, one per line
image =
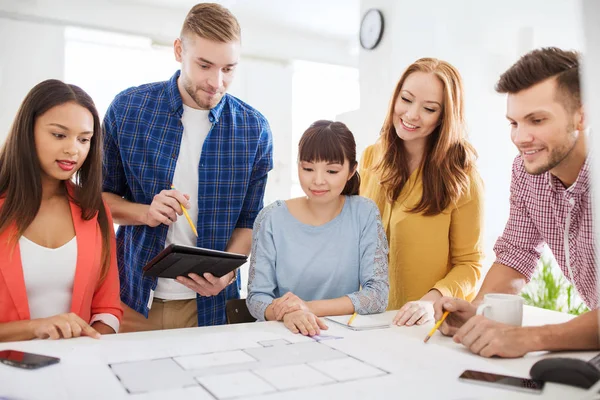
(550, 203)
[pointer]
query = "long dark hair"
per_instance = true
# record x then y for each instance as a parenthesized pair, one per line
(332, 142)
(20, 172)
(449, 158)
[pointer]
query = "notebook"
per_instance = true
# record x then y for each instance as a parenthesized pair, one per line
(360, 323)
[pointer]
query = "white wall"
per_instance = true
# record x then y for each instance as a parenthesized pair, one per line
(591, 94)
(267, 86)
(29, 53)
(264, 78)
(482, 39)
(163, 24)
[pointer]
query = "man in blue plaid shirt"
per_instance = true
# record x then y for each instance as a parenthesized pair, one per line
(215, 151)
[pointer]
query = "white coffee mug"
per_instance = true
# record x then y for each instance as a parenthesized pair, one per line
(504, 308)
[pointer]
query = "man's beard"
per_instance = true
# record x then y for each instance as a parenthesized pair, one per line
(195, 94)
(557, 155)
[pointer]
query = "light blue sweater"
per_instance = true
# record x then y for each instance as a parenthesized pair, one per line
(347, 256)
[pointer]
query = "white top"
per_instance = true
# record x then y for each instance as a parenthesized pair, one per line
(50, 294)
(196, 126)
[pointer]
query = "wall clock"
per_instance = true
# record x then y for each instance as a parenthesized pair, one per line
(371, 29)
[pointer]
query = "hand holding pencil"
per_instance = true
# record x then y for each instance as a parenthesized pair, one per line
(436, 326)
(187, 216)
(460, 312)
(166, 206)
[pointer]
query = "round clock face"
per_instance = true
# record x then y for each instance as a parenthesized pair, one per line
(371, 29)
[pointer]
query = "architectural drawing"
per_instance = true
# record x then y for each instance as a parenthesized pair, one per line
(272, 366)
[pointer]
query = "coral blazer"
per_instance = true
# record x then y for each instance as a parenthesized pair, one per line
(89, 297)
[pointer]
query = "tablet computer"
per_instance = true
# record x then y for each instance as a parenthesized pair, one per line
(178, 260)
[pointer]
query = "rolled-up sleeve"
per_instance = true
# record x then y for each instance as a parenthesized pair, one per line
(263, 163)
(113, 177)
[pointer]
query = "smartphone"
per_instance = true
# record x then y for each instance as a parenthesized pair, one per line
(503, 381)
(24, 360)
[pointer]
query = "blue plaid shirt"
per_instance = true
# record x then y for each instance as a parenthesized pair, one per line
(143, 131)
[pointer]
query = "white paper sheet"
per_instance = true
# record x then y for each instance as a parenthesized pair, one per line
(293, 376)
(214, 359)
(347, 369)
(153, 375)
(190, 393)
(238, 384)
(360, 322)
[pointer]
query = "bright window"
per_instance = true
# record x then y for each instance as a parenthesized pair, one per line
(319, 91)
(105, 63)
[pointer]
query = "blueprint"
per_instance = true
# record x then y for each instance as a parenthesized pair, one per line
(270, 366)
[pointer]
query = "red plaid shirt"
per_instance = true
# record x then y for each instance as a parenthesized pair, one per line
(541, 210)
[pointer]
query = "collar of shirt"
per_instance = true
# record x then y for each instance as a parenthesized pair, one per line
(176, 103)
(581, 185)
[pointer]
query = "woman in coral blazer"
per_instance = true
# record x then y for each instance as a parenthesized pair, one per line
(58, 268)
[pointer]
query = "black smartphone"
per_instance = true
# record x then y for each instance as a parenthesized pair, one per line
(24, 360)
(504, 381)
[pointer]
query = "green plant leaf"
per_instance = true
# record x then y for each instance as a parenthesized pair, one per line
(549, 289)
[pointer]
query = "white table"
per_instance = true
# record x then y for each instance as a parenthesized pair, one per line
(411, 369)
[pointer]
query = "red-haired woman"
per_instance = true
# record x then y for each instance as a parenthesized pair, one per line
(421, 174)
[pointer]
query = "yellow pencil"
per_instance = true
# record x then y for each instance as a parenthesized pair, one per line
(351, 319)
(187, 216)
(437, 325)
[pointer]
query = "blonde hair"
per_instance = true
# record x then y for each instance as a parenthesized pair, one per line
(449, 157)
(213, 22)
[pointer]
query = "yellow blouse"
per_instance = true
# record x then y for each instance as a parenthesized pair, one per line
(443, 251)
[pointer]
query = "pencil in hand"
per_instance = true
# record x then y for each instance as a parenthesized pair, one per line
(187, 216)
(437, 325)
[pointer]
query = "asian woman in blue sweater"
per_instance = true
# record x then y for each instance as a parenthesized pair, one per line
(323, 254)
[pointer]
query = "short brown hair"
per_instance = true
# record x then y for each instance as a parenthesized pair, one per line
(213, 22)
(331, 142)
(541, 64)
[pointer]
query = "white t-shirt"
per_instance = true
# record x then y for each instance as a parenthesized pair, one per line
(196, 126)
(49, 276)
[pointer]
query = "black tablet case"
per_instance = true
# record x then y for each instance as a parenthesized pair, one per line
(177, 260)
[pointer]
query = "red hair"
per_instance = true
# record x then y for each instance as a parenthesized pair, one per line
(449, 157)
